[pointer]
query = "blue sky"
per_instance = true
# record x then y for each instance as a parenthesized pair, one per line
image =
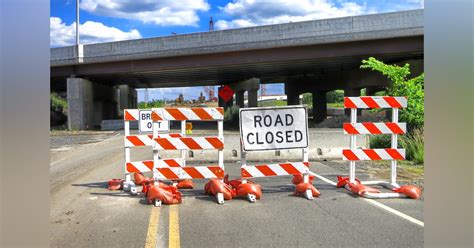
(112, 20)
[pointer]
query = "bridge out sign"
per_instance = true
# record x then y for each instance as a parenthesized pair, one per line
(146, 123)
(273, 128)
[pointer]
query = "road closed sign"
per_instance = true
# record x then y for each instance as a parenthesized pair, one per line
(274, 128)
(146, 123)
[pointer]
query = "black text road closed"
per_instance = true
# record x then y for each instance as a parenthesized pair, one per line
(146, 123)
(274, 128)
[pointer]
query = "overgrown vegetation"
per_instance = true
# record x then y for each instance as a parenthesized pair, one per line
(335, 99)
(413, 88)
(152, 104)
(272, 103)
(402, 85)
(414, 144)
(57, 103)
(231, 117)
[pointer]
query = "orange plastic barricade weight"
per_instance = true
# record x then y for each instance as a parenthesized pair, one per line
(409, 190)
(302, 188)
(164, 194)
(353, 154)
(115, 184)
(185, 184)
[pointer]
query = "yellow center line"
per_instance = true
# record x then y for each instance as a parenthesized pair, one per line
(173, 240)
(153, 227)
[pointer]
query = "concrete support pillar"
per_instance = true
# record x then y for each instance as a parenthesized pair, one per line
(252, 98)
(292, 94)
(239, 99)
(127, 97)
(319, 106)
(351, 92)
(370, 91)
(80, 100)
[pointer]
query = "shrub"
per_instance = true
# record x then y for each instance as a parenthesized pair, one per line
(57, 102)
(231, 114)
(414, 145)
(335, 96)
(152, 104)
(402, 86)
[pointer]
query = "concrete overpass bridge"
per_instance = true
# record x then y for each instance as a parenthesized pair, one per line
(311, 56)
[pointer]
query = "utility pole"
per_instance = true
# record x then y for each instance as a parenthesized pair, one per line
(77, 22)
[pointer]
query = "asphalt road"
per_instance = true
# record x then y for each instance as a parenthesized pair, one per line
(85, 214)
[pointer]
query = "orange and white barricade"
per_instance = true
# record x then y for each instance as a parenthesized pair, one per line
(271, 129)
(141, 140)
(393, 153)
(163, 172)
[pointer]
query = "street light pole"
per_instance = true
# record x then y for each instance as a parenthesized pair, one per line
(77, 22)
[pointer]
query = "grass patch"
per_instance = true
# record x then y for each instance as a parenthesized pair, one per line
(272, 103)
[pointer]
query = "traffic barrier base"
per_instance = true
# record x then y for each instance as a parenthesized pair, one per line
(394, 128)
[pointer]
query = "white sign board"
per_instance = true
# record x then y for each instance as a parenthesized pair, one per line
(146, 123)
(274, 128)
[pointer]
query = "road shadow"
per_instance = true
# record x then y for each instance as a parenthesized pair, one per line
(96, 185)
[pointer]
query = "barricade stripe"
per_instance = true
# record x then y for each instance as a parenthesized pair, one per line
(372, 128)
(176, 113)
(373, 154)
(165, 144)
(290, 168)
(194, 173)
(349, 128)
(215, 142)
(216, 170)
(375, 102)
(369, 101)
(135, 141)
(395, 154)
(167, 173)
(265, 170)
(140, 166)
(349, 155)
(172, 162)
(129, 115)
(155, 117)
(201, 113)
(392, 101)
(348, 103)
(251, 171)
(191, 143)
(396, 128)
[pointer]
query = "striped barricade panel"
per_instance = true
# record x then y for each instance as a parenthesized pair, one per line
(146, 139)
(268, 170)
(198, 172)
(189, 143)
(185, 114)
(375, 128)
(131, 114)
(375, 102)
(148, 165)
(373, 154)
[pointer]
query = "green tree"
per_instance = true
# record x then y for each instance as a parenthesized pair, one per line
(152, 104)
(403, 85)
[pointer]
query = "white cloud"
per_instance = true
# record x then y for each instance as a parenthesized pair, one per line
(160, 12)
(62, 34)
(262, 12)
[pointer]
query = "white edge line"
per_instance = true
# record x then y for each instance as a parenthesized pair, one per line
(378, 204)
